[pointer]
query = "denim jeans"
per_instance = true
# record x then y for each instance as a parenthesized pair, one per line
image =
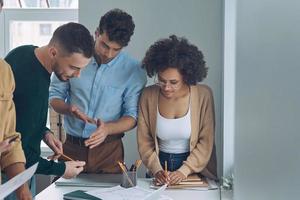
(174, 160)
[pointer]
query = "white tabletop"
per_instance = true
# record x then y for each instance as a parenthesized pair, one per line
(54, 192)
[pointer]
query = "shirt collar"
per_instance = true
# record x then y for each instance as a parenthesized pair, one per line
(110, 63)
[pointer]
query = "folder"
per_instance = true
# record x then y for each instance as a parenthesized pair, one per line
(79, 195)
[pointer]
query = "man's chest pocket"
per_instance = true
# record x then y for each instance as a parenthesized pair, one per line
(113, 99)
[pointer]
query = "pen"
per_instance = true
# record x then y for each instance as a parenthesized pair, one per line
(132, 167)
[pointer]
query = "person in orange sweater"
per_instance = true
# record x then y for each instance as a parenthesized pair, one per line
(176, 121)
(12, 159)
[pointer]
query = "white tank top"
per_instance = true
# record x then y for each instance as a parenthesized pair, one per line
(174, 134)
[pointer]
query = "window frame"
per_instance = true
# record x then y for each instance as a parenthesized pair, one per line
(31, 14)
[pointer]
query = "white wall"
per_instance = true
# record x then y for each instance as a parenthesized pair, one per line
(267, 137)
(198, 20)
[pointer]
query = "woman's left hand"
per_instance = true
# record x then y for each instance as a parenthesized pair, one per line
(176, 177)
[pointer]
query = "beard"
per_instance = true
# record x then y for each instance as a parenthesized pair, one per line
(58, 73)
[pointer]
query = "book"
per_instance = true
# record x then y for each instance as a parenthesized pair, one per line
(192, 181)
(193, 178)
(79, 195)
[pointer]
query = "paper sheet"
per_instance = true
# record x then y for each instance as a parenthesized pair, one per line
(17, 181)
(133, 193)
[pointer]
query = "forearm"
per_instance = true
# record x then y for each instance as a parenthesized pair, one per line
(60, 106)
(49, 167)
(122, 125)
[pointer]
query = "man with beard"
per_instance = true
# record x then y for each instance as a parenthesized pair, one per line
(108, 89)
(69, 50)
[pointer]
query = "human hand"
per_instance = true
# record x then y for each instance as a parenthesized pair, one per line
(176, 177)
(74, 111)
(73, 168)
(23, 193)
(162, 177)
(54, 144)
(98, 136)
(5, 145)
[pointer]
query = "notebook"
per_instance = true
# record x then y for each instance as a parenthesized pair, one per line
(79, 195)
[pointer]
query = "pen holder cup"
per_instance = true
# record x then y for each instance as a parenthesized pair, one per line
(129, 179)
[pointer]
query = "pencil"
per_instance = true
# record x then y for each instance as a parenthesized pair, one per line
(125, 172)
(137, 164)
(66, 157)
(166, 167)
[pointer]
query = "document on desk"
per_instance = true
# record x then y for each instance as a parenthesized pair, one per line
(17, 181)
(90, 180)
(133, 193)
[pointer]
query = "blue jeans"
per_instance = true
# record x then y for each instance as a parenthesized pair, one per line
(174, 160)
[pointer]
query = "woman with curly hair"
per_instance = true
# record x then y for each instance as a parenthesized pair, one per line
(176, 115)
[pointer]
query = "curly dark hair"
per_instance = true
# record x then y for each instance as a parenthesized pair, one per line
(74, 38)
(118, 25)
(176, 53)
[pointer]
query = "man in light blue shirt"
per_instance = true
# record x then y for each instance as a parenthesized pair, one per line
(102, 104)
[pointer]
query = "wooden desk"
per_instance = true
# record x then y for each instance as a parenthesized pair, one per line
(54, 192)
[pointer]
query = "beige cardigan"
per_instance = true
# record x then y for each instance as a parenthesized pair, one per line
(202, 158)
(8, 118)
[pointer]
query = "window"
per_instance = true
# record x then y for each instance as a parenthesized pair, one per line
(33, 22)
(31, 26)
(41, 4)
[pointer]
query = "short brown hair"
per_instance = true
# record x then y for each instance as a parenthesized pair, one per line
(74, 38)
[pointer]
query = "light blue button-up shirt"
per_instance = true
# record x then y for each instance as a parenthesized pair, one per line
(108, 92)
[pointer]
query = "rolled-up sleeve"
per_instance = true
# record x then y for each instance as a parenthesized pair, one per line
(8, 118)
(58, 89)
(136, 83)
